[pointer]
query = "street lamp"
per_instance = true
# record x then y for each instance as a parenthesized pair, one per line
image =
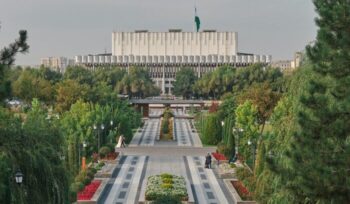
(111, 122)
(238, 131)
(250, 143)
(222, 123)
(19, 177)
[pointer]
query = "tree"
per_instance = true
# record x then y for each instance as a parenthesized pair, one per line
(7, 58)
(7, 54)
(212, 130)
(68, 92)
(227, 107)
(137, 84)
(30, 85)
(33, 146)
(246, 119)
(274, 166)
(320, 175)
(185, 78)
(79, 74)
(262, 96)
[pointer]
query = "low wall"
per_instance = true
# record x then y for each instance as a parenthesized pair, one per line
(234, 193)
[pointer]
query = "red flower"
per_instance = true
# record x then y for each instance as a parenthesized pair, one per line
(89, 190)
(219, 156)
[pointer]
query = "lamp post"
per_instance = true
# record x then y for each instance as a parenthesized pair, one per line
(238, 131)
(83, 160)
(19, 177)
(252, 144)
(98, 137)
(102, 129)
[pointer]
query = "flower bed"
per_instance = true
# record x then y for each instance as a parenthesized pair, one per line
(166, 185)
(89, 190)
(242, 190)
(219, 157)
(225, 170)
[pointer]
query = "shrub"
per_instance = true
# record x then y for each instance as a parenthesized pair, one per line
(224, 149)
(80, 177)
(167, 199)
(167, 185)
(165, 126)
(157, 188)
(247, 177)
(168, 180)
(165, 176)
(104, 151)
(212, 130)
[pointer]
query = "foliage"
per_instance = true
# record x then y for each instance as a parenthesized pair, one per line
(264, 99)
(242, 190)
(41, 138)
(228, 137)
(137, 84)
(184, 80)
(246, 119)
(227, 106)
(7, 54)
(224, 149)
(159, 186)
(68, 92)
(80, 75)
(104, 151)
(247, 177)
(211, 134)
(31, 85)
(317, 174)
(167, 199)
(228, 79)
(7, 58)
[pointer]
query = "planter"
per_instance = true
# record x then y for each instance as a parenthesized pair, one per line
(235, 193)
(166, 185)
(89, 191)
(225, 171)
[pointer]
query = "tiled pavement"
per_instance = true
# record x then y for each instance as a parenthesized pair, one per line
(145, 157)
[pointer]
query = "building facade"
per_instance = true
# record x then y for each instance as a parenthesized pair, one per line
(165, 53)
(58, 64)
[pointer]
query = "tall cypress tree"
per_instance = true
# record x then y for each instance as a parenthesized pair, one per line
(320, 151)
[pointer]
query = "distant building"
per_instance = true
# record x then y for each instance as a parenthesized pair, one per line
(58, 64)
(283, 64)
(289, 64)
(165, 53)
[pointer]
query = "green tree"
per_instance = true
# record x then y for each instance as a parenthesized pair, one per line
(79, 74)
(68, 92)
(275, 163)
(137, 84)
(7, 58)
(262, 96)
(212, 130)
(320, 175)
(185, 78)
(30, 85)
(246, 119)
(33, 147)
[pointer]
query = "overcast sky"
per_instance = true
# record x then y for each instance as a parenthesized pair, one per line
(77, 27)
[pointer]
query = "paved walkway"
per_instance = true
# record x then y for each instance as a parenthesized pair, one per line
(145, 156)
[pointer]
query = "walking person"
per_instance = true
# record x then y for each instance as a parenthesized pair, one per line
(123, 141)
(206, 164)
(209, 160)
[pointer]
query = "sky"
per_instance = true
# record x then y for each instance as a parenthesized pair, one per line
(79, 27)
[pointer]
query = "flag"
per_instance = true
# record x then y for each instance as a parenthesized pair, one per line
(196, 19)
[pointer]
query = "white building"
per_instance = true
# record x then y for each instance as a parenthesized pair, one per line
(58, 64)
(165, 53)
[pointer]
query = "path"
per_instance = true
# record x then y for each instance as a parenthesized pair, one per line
(145, 156)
